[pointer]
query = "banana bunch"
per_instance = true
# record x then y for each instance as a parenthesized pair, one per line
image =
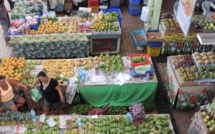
(30, 66)
(27, 71)
(28, 81)
(35, 62)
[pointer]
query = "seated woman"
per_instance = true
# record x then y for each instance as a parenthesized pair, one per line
(52, 92)
(8, 99)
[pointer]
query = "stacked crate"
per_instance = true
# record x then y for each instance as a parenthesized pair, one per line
(154, 7)
(94, 4)
(134, 7)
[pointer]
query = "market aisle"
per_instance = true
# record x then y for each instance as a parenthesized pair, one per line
(5, 51)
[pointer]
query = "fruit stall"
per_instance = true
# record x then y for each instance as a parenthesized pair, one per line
(175, 42)
(47, 36)
(105, 78)
(16, 122)
(203, 121)
(189, 79)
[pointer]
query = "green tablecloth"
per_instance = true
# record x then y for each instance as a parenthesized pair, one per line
(124, 95)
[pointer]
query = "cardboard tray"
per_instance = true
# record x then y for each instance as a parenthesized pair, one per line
(181, 82)
(154, 37)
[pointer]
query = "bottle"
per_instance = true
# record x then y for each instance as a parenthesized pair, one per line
(129, 117)
(84, 75)
(79, 123)
(33, 115)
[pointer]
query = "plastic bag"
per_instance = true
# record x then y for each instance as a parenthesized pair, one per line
(71, 91)
(144, 14)
(35, 94)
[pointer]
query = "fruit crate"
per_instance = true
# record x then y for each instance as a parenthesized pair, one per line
(167, 30)
(153, 51)
(134, 2)
(115, 32)
(93, 3)
(154, 44)
(133, 12)
(138, 32)
(94, 9)
(135, 6)
(118, 11)
(114, 3)
(211, 60)
(59, 7)
(138, 64)
(203, 81)
(201, 58)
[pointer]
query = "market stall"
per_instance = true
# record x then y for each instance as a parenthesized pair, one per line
(176, 43)
(67, 124)
(189, 80)
(105, 78)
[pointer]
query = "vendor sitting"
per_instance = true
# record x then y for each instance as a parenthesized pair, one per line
(8, 99)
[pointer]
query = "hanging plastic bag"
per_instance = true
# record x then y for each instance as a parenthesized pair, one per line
(144, 14)
(71, 91)
(35, 94)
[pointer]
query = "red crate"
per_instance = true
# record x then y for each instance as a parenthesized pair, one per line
(138, 64)
(93, 3)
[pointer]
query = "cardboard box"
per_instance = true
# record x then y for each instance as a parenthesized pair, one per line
(68, 6)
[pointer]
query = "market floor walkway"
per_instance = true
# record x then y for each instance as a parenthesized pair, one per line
(5, 51)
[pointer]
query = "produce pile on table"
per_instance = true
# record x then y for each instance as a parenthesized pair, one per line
(139, 59)
(24, 7)
(208, 116)
(46, 129)
(182, 61)
(12, 68)
(120, 125)
(204, 58)
(29, 78)
(179, 37)
(15, 118)
(169, 23)
(113, 63)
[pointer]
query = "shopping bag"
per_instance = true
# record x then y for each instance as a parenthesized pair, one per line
(138, 113)
(71, 91)
(144, 14)
(35, 94)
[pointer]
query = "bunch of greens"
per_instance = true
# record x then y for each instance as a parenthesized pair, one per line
(81, 109)
(148, 106)
(117, 110)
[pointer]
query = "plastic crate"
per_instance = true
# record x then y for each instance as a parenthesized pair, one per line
(114, 3)
(137, 32)
(133, 12)
(153, 51)
(135, 6)
(35, 27)
(135, 1)
(94, 9)
(154, 44)
(93, 3)
(18, 33)
(99, 33)
(138, 64)
(59, 7)
(118, 11)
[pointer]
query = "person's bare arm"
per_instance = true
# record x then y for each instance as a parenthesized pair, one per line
(15, 83)
(60, 93)
(0, 102)
(35, 83)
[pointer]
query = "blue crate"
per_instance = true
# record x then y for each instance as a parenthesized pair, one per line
(35, 27)
(133, 12)
(137, 32)
(118, 11)
(135, 6)
(19, 33)
(59, 7)
(154, 44)
(135, 1)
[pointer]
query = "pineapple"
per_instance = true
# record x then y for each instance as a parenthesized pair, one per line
(19, 120)
(3, 122)
(24, 121)
(89, 17)
(8, 113)
(81, 16)
(8, 121)
(13, 119)
(85, 15)
(29, 119)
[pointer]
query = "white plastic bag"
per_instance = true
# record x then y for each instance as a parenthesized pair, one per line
(35, 94)
(144, 14)
(71, 91)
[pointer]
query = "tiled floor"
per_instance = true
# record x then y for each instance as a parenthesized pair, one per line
(129, 23)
